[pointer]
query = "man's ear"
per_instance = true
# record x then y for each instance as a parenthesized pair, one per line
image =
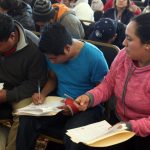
(12, 35)
(67, 49)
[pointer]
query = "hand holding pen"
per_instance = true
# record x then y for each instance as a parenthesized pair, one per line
(38, 98)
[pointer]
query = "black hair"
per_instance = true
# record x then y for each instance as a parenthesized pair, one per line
(54, 38)
(128, 3)
(7, 26)
(143, 27)
(13, 7)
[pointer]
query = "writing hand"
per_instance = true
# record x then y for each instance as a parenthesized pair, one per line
(82, 102)
(38, 99)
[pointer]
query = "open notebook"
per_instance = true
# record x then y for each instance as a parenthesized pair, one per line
(100, 134)
(48, 108)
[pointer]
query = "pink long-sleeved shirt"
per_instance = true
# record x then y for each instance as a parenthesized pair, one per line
(135, 108)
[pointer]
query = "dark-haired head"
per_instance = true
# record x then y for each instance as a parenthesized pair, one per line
(12, 7)
(143, 27)
(7, 26)
(54, 38)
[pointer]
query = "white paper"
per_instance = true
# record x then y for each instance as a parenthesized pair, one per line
(90, 132)
(95, 132)
(49, 107)
(1, 86)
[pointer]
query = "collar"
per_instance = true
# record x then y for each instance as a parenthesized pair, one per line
(10, 52)
(22, 42)
(22, 37)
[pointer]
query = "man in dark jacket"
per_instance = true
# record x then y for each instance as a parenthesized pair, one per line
(22, 67)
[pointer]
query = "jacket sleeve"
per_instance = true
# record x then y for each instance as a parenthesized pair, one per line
(105, 89)
(36, 71)
(141, 126)
(73, 25)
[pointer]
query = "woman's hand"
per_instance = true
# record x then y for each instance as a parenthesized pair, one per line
(82, 102)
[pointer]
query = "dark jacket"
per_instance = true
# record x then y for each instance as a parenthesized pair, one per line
(112, 13)
(23, 14)
(21, 71)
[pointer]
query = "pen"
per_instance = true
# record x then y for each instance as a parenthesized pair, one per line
(68, 96)
(39, 88)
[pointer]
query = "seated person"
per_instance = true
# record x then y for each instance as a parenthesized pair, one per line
(20, 11)
(128, 80)
(120, 11)
(22, 65)
(75, 67)
(109, 31)
(44, 12)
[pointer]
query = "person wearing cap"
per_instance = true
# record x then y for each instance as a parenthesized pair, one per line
(22, 65)
(44, 12)
(108, 31)
(75, 66)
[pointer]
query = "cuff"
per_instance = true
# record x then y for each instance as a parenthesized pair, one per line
(129, 126)
(91, 98)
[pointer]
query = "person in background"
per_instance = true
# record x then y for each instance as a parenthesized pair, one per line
(134, 8)
(108, 31)
(44, 12)
(75, 67)
(22, 66)
(20, 11)
(147, 8)
(128, 80)
(97, 5)
(120, 11)
(82, 10)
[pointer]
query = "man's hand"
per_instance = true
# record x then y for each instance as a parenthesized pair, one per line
(2, 95)
(66, 110)
(38, 98)
(82, 102)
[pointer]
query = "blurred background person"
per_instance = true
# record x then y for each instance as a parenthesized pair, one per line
(120, 11)
(20, 11)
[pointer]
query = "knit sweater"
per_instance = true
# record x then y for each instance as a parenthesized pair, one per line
(126, 80)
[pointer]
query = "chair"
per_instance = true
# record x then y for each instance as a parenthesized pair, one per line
(88, 27)
(110, 51)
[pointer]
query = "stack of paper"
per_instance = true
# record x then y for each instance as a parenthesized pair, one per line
(48, 108)
(100, 134)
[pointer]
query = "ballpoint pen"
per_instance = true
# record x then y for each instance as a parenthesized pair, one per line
(39, 89)
(68, 96)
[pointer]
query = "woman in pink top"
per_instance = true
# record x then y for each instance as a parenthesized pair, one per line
(129, 80)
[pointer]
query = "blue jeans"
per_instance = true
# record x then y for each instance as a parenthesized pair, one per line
(30, 127)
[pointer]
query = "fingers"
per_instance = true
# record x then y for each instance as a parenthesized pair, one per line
(38, 99)
(67, 111)
(82, 102)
